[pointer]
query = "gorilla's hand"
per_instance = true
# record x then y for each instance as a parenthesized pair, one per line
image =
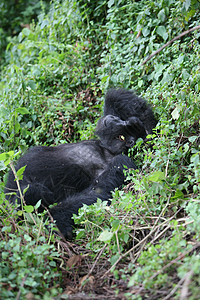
(135, 128)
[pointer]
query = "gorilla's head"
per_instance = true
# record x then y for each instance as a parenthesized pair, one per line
(115, 134)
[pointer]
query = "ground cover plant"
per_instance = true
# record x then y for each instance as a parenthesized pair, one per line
(54, 75)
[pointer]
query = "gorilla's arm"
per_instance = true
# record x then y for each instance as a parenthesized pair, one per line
(135, 128)
(125, 104)
(110, 179)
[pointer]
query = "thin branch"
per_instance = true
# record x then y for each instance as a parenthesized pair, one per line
(21, 285)
(185, 287)
(170, 42)
(17, 182)
(93, 266)
(173, 291)
(153, 230)
(174, 261)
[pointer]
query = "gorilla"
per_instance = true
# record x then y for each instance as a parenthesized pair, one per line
(79, 173)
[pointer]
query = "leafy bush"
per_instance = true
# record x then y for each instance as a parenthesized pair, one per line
(28, 256)
(14, 15)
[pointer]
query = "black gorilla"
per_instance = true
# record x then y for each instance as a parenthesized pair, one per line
(79, 173)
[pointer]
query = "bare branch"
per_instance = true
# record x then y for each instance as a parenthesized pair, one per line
(170, 42)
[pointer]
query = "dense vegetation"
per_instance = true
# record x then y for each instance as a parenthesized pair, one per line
(54, 75)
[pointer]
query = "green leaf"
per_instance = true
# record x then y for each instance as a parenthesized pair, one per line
(175, 113)
(186, 148)
(28, 208)
(22, 110)
(178, 195)
(192, 139)
(6, 228)
(161, 15)
(185, 74)
(187, 4)
(110, 3)
(20, 213)
(2, 166)
(140, 83)
(6, 155)
(105, 236)
(26, 189)
(157, 176)
(32, 85)
(26, 31)
(17, 127)
(3, 111)
(104, 79)
(131, 281)
(20, 173)
(37, 205)
(44, 23)
(161, 30)
(27, 238)
(114, 258)
(145, 32)
(195, 158)
(115, 224)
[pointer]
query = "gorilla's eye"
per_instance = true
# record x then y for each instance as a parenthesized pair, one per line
(121, 138)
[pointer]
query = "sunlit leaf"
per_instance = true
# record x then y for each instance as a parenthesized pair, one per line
(38, 204)
(22, 110)
(105, 236)
(32, 85)
(20, 173)
(110, 3)
(161, 30)
(28, 208)
(178, 195)
(175, 114)
(157, 176)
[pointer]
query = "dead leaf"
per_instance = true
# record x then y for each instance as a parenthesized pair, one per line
(74, 260)
(87, 280)
(139, 34)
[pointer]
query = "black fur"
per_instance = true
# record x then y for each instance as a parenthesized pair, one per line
(125, 105)
(79, 173)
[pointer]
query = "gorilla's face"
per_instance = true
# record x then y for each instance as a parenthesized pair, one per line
(115, 134)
